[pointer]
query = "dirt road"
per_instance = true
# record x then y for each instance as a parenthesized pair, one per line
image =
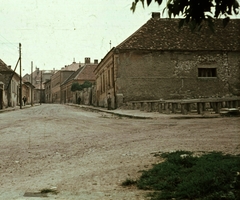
(87, 155)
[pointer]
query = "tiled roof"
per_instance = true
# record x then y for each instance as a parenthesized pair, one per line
(73, 75)
(72, 67)
(87, 73)
(163, 34)
(84, 73)
(4, 67)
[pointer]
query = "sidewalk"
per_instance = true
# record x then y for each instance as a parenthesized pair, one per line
(137, 114)
(121, 112)
(16, 108)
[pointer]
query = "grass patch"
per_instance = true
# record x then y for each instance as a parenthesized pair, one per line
(211, 176)
(129, 182)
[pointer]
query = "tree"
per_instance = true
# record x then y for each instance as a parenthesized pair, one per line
(78, 87)
(195, 12)
(75, 87)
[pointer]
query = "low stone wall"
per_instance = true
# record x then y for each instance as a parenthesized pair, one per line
(184, 106)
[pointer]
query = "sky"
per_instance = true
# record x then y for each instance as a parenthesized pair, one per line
(54, 33)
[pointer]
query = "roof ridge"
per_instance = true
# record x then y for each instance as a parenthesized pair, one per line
(163, 34)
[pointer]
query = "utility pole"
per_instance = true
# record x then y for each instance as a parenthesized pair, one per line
(41, 89)
(20, 62)
(31, 83)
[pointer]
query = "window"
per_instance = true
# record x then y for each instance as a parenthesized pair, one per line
(207, 72)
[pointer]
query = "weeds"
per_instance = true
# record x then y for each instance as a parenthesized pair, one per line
(129, 182)
(185, 176)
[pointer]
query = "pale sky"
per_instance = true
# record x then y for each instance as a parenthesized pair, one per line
(55, 32)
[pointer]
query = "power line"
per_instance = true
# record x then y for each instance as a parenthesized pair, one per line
(8, 42)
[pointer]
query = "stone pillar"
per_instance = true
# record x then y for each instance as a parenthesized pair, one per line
(188, 107)
(160, 107)
(217, 109)
(133, 106)
(174, 108)
(167, 106)
(199, 108)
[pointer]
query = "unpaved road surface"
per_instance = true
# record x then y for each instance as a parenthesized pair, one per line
(87, 155)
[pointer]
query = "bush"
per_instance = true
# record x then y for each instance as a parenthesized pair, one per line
(185, 176)
(128, 182)
(79, 87)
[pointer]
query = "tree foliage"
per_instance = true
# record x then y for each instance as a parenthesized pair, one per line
(194, 12)
(78, 87)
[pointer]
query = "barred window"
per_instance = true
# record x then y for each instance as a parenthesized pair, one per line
(207, 72)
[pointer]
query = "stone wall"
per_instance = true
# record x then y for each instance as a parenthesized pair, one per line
(169, 75)
(85, 95)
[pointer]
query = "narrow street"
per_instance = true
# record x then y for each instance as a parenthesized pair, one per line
(87, 155)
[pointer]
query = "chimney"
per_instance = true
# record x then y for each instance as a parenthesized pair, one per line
(9, 66)
(156, 15)
(96, 61)
(87, 60)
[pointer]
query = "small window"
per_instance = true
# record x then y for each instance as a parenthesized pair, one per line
(207, 72)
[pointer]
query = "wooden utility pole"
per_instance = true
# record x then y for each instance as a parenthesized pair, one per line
(32, 83)
(20, 63)
(41, 89)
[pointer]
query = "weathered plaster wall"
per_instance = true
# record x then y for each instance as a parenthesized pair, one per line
(167, 75)
(105, 83)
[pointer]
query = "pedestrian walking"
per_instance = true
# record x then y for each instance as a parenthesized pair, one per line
(24, 100)
(109, 101)
(79, 100)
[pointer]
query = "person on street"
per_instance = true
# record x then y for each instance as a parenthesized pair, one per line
(109, 101)
(24, 100)
(79, 100)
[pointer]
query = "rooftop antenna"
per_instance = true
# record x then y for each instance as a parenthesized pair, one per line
(110, 44)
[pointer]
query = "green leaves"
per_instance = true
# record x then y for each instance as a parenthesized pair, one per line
(195, 12)
(184, 175)
(79, 87)
(134, 4)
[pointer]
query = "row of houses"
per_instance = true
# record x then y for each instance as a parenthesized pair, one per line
(10, 87)
(158, 61)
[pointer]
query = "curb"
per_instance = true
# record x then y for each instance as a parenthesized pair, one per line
(9, 109)
(114, 112)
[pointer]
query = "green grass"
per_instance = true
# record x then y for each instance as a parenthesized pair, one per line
(129, 182)
(211, 176)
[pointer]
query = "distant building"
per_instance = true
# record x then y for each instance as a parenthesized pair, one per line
(58, 78)
(84, 73)
(10, 87)
(48, 94)
(38, 78)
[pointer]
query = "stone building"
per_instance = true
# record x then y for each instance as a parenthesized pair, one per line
(84, 73)
(160, 61)
(10, 87)
(39, 77)
(58, 78)
(47, 86)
